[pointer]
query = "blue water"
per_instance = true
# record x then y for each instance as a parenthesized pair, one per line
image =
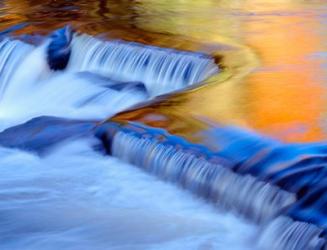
(72, 196)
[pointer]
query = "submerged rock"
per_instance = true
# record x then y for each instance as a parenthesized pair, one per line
(41, 133)
(279, 186)
(59, 48)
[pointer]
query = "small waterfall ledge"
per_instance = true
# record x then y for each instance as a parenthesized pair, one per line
(280, 187)
(235, 183)
(84, 75)
(162, 70)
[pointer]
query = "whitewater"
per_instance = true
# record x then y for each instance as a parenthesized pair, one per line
(73, 196)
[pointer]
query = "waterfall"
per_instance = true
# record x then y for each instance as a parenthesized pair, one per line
(162, 70)
(286, 201)
(36, 79)
(279, 187)
(284, 233)
(69, 194)
(29, 88)
(245, 195)
(212, 180)
(12, 53)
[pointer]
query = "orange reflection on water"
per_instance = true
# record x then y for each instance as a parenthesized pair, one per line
(283, 96)
(288, 92)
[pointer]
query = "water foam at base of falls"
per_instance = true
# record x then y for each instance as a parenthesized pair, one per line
(162, 70)
(244, 194)
(75, 198)
(72, 197)
(34, 90)
(288, 219)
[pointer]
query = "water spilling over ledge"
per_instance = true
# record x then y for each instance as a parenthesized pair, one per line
(194, 167)
(280, 187)
(108, 70)
(162, 70)
(268, 186)
(12, 54)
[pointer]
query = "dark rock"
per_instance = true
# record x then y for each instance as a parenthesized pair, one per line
(41, 133)
(59, 49)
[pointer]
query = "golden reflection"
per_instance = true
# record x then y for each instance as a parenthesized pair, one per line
(270, 81)
(285, 96)
(289, 92)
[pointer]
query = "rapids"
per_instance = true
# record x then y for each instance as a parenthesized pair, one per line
(72, 196)
(76, 198)
(71, 179)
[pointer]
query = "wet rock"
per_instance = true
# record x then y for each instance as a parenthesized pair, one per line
(258, 178)
(59, 48)
(40, 134)
(137, 86)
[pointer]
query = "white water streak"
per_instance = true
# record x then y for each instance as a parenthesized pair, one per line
(12, 53)
(284, 233)
(161, 70)
(245, 195)
(30, 89)
(76, 199)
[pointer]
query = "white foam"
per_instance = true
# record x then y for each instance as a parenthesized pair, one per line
(75, 198)
(254, 199)
(283, 233)
(12, 53)
(162, 70)
(33, 90)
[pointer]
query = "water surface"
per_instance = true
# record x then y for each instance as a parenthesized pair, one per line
(273, 60)
(280, 90)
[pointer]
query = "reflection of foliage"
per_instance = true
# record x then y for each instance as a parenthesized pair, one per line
(198, 19)
(234, 28)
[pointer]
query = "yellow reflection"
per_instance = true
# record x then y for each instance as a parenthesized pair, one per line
(287, 96)
(270, 83)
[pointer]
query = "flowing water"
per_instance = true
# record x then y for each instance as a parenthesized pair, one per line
(251, 64)
(73, 197)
